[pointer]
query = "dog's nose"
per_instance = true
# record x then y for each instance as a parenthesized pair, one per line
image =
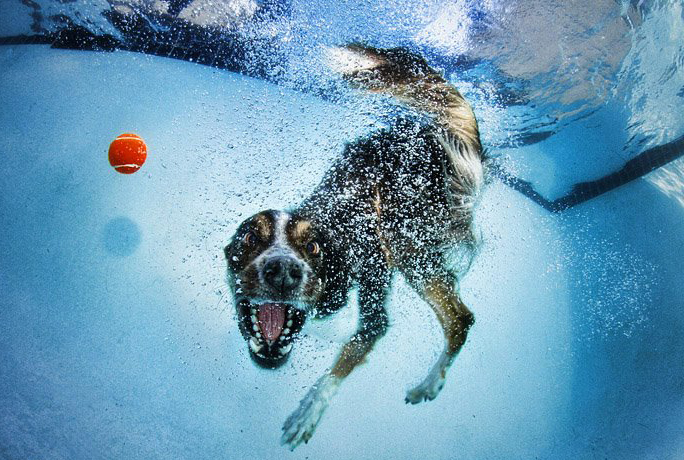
(283, 274)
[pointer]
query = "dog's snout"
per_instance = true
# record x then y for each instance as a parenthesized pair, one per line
(283, 274)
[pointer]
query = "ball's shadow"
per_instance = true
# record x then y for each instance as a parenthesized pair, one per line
(121, 236)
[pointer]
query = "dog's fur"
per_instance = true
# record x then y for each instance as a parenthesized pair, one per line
(399, 200)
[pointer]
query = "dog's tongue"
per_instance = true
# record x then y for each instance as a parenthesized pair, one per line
(271, 320)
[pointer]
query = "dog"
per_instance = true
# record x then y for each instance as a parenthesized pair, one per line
(399, 200)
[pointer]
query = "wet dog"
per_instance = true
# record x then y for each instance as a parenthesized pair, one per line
(400, 200)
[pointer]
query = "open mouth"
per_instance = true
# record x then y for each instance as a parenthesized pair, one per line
(269, 328)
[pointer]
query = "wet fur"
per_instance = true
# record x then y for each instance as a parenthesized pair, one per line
(399, 200)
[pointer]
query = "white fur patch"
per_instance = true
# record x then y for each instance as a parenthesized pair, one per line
(300, 426)
(346, 61)
(467, 171)
(280, 236)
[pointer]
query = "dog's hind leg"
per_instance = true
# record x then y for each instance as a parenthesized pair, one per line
(455, 318)
(300, 426)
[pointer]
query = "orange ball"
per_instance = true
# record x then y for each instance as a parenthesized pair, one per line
(127, 153)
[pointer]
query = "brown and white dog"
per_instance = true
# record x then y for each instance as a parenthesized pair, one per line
(399, 200)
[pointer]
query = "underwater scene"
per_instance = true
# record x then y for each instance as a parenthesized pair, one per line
(309, 229)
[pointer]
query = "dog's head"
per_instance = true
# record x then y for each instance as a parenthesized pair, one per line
(277, 271)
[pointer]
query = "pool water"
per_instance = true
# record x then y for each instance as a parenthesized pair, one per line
(117, 331)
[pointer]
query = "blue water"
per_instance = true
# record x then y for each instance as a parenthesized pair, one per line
(117, 334)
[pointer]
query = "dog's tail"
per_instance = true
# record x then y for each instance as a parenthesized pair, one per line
(408, 78)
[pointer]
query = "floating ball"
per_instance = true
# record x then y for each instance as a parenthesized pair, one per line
(127, 153)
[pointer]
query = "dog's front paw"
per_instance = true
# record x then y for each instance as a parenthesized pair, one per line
(300, 426)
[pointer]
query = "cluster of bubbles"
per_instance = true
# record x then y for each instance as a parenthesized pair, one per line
(616, 293)
(611, 284)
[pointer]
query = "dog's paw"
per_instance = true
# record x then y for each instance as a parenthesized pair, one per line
(427, 390)
(301, 424)
(433, 383)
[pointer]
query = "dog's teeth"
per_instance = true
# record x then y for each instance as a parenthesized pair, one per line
(254, 319)
(289, 323)
(286, 331)
(258, 334)
(286, 349)
(255, 328)
(253, 311)
(254, 345)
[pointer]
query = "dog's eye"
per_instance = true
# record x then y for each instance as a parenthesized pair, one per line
(250, 239)
(313, 248)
